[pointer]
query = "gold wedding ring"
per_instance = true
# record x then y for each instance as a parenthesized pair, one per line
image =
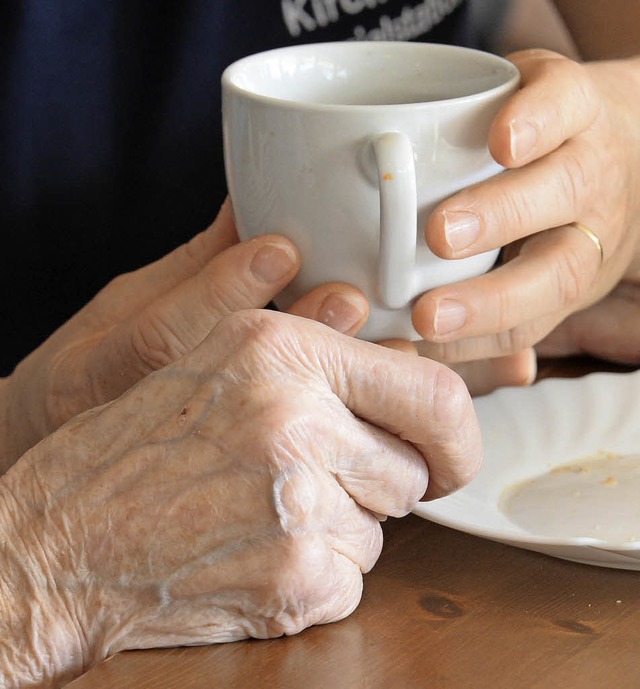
(592, 236)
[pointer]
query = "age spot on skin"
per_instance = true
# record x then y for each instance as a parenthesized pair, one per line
(183, 417)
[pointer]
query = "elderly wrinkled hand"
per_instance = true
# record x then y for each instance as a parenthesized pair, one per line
(147, 319)
(144, 320)
(234, 493)
(569, 139)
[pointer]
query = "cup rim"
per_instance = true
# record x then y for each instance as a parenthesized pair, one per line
(512, 75)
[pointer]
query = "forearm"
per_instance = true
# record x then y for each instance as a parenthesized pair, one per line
(39, 644)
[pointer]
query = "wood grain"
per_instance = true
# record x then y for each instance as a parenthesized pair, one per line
(442, 609)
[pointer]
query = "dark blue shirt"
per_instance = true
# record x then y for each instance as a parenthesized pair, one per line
(110, 135)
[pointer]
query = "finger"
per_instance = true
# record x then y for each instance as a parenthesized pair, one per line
(608, 330)
(130, 292)
(400, 345)
(547, 193)
(286, 586)
(308, 501)
(554, 272)
(500, 345)
(485, 376)
(556, 101)
(364, 471)
(355, 532)
(482, 377)
(247, 275)
(338, 305)
(416, 399)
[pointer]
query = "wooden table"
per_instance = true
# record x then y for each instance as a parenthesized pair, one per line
(441, 610)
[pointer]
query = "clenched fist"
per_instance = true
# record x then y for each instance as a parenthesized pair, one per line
(234, 493)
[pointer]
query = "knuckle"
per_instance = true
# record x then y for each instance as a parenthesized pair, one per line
(514, 340)
(515, 208)
(580, 105)
(287, 420)
(195, 253)
(253, 328)
(269, 340)
(287, 442)
(506, 306)
(154, 343)
(294, 497)
(576, 182)
(582, 108)
(225, 296)
(570, 277)
(301, 587)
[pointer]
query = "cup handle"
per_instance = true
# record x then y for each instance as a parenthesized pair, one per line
(398, 218)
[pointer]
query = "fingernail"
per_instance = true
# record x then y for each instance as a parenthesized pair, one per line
(340, 312)
(523, 138)
(272, 262)
(461, 229)
(450, 316)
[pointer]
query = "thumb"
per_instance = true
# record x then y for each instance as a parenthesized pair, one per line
(129, 293)
(419, 400)
(246, 275)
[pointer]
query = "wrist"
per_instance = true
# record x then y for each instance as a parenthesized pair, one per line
(40, 643)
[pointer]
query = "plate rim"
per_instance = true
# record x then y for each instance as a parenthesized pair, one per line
(519, 537)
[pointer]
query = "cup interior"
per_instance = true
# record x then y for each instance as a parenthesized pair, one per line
(369, 73)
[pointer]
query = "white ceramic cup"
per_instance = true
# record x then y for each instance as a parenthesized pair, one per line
(346, 148)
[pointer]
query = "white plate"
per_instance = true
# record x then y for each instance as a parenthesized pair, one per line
(529, 432)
